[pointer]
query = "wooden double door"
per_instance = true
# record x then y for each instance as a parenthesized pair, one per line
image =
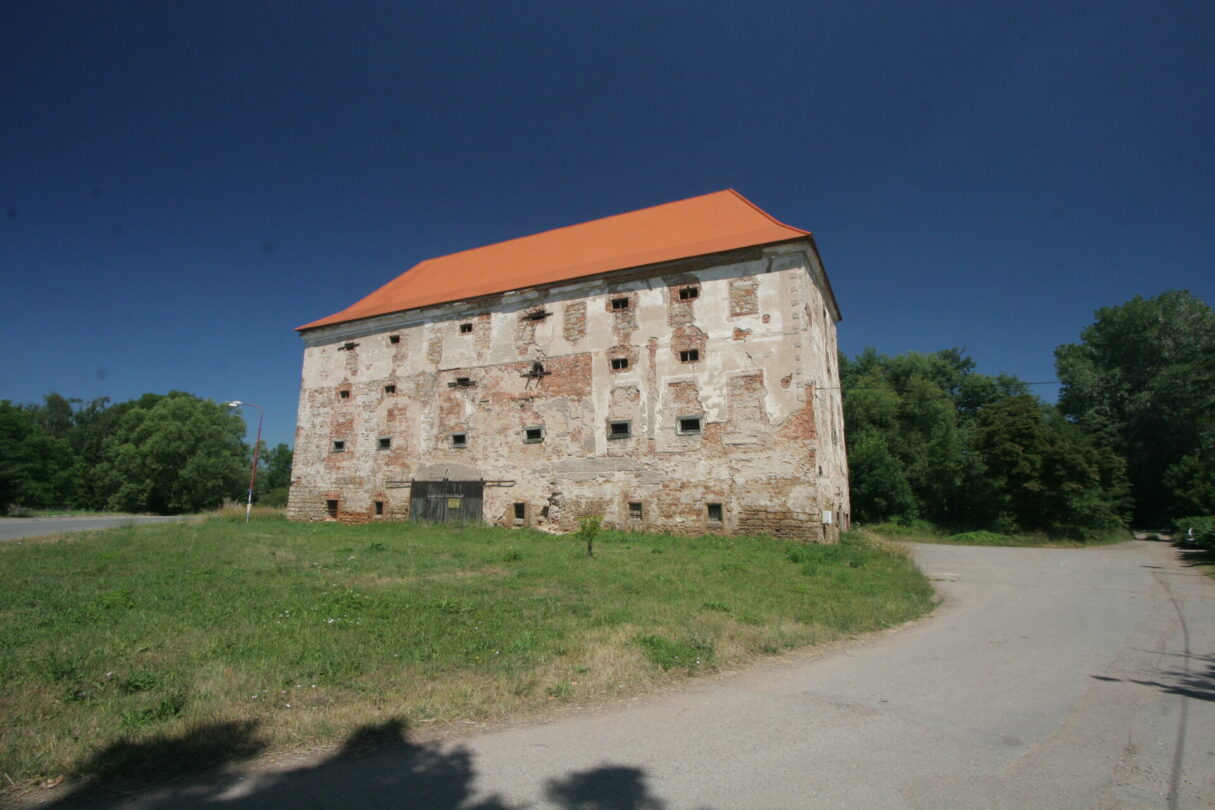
(446, 501)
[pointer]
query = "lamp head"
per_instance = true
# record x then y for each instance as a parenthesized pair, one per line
(236, 403)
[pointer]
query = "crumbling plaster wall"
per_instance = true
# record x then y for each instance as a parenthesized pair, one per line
(764, 384)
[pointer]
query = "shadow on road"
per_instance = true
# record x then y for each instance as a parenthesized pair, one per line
(1197, 556)
(377, 767)
(1199, 685)
(1196, 677)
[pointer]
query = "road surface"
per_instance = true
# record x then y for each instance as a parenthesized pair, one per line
(1049, 678)
(13, 528)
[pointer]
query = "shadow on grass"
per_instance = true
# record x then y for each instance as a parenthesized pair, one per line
(123, 765)
(377, 767)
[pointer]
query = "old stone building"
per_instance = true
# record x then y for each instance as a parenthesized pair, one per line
(669, 369)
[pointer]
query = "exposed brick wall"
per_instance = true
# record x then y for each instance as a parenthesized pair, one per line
(744, 297)
(689, 337)
(783, 523)
(681, 311)
(575, 321)
(434, 349)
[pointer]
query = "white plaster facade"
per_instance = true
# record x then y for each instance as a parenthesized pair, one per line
(768, 457)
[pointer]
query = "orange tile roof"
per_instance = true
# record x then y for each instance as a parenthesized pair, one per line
(711, 223)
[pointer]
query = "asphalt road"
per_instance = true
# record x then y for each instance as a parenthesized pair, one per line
(13, 528)
(1048, 679)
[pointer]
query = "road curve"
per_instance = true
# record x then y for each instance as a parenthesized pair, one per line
(1049, 678)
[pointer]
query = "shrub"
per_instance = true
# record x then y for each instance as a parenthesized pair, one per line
(588, 530)
(1202, 528)
(275, 497)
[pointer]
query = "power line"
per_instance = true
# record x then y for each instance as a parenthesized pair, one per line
(847, 390)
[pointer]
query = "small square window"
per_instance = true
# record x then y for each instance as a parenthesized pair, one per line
(620, 429)
(689, 356)
(635, 511)
(344, 393)
(520, 513)
(379, 509)
(466, 329)
(688, 293)
(331, 507)
(688, 425)
(394, 339)
(459, 440)
(390, 389)
(339, 445)
(385, 443)
(532, 435)
(620, 303)
(714, 512)
(620, 363)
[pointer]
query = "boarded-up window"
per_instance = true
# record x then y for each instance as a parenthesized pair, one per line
(744, 298)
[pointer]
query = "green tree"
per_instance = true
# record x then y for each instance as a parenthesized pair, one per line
(36, 469)
(275, 467)
(1143, 379)
(1191, 486)
(273, 475)
(879, 488)
(54, 415)
(93, 423)
(173, 453)
(909, 418)
(1044, 473)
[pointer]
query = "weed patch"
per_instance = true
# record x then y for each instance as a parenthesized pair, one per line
(668, 654)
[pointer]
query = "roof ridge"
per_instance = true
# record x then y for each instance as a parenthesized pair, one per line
(599, 219)
(713, 222)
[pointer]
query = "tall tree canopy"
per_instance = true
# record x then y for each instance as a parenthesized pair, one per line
(1143, 380)
(909, 419)
(930, 438)
(36, 468)
(1042, 473)
(162, 453)
(174, 453)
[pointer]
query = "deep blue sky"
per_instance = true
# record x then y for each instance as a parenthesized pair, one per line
(182, 184)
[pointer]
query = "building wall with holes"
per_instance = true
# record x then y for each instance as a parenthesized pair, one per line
(699, 396)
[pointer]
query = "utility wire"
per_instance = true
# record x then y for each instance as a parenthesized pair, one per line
(846, 390)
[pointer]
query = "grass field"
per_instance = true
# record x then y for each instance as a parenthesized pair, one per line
(920, 532)
(308, 631)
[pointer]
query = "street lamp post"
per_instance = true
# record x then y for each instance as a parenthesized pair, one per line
(257, 446)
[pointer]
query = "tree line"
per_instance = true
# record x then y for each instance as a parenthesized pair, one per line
(1132, 437)
(163, 453)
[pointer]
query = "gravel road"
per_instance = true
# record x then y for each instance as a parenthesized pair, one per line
(14, 528)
